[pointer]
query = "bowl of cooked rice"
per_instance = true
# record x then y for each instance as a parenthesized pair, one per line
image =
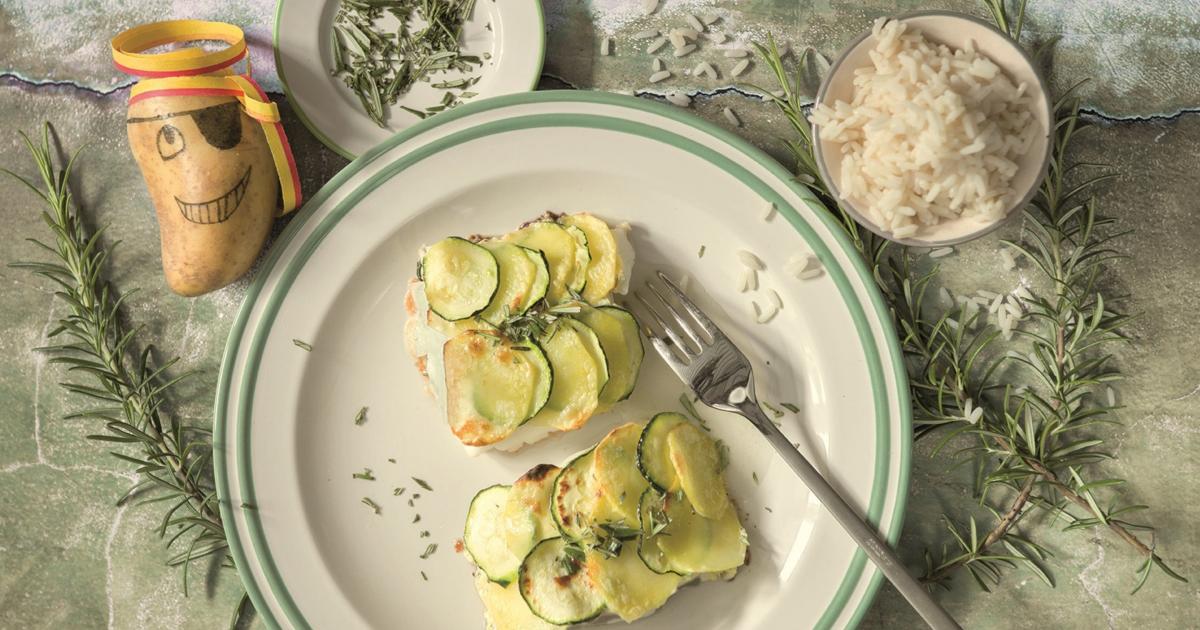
(933, 128)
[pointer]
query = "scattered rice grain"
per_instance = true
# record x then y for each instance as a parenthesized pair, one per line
(657, 65)
(649, 6)
(732, 117)
(744, 283)
(695, 23)
(736, 53)
(941, 251)
(741, 67)
(750, 260)
(717, 37)
(768, 212)
(1111, 396)
(606, 46)
(809, 274)
(685, 51)
(656, 45)
(679, 99)
(710, 18)
(660, 75)
(767, 315)
(650, 34)
(775, 299)
(677, 40)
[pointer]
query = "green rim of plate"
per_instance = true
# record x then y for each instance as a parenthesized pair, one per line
(326, 140)
(880, 482)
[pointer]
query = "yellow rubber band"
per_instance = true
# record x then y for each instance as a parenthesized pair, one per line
(128, 47)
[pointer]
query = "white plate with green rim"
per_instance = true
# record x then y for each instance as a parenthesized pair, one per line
(510, 33)
(313, 555)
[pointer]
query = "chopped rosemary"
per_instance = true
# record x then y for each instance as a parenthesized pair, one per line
(416, 495)
(429, 551)
(360, 418)
(249, 506)
(774, 412)
(790, 407)
(416, 518)
(700, 254)
(380, 64)
(424, 533)
(658, 516)
(424, 577)
(722, 455)
(690, 409)
(371, 504)
(571, 561)
(302, 345)
(366, 474)
(423, 484)
(391, 460)
(754, 476)
(768, 509)
(398, 491)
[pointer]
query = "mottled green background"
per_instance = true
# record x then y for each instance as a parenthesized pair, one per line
(69, 559)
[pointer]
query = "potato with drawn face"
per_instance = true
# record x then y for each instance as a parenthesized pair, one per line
(214, 186)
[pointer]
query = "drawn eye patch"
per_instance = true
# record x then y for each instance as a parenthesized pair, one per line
(221, 125)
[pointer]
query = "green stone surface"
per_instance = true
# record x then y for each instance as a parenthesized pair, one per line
(70, 559)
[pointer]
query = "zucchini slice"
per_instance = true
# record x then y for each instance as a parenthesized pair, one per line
(618, 333)
(605, 265)
(565, 254)
(505, 609)
(485, 539)
(527, 518)
(629, 589)
(460, 277)
(698, 466)
(580, 372)
(615, 471)
(523, 281)
(555, 586)
(652, 519)
(493, 385)
(573, 500)
(691, 543)
(652, 458)
(583, 258)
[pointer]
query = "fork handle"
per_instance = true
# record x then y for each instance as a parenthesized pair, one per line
(876, 548)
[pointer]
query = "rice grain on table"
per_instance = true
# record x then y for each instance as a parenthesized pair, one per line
(660, 75)
(1007, 262)
(767, 315)
(930, 133)
(995, 306)
(809, 274)
(657, 65)
(984, 293)
(677, 40)
(706, 69)
(716, 37)
(649, 6)
(749, 260)
(695, 23)
(1110, 395)
(736, 53)
(656, 45)
(732, 117)
(768, 211)
(775, 299)
(650, 34)
(798, 263)
(606, 46)
(744, 282)
(710, 18)
(679, 99)
(941, 251)
(685, 51)
(740, 67)
(689, 34)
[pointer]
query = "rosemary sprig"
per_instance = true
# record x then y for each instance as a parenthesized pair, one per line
(1031, 446)
(129, 388)
(380, 64)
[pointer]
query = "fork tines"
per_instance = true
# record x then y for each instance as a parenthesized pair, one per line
(688, 335)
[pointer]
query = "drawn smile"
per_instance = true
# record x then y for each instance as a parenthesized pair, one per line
(216, 210)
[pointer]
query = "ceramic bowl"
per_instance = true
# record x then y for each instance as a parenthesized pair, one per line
(954, 30)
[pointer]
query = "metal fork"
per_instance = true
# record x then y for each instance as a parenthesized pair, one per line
(721, 376)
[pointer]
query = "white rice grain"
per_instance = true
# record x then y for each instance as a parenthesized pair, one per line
(744, 281)
(1007, 262)
(656, 45)
(1110, 395)
(732, 117)
(987, 295)
(685, 51)
(766, 315)
(649, 6)
(679, 99)
(657, 65)
(706, 69)
(695, 23)
(809, 274)
(750, 261)
(768, 212)
(717, 37)
(650, 34)
(660, 75)
(741, 67)
(606, 46)
(775, 299)
(710, 18)
(736, 53)
(941, 251)
(752, 283)
(677, 40)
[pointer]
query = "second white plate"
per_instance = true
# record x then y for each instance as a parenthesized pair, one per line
(511, 33)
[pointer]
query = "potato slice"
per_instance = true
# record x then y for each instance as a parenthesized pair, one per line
(697, 463)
